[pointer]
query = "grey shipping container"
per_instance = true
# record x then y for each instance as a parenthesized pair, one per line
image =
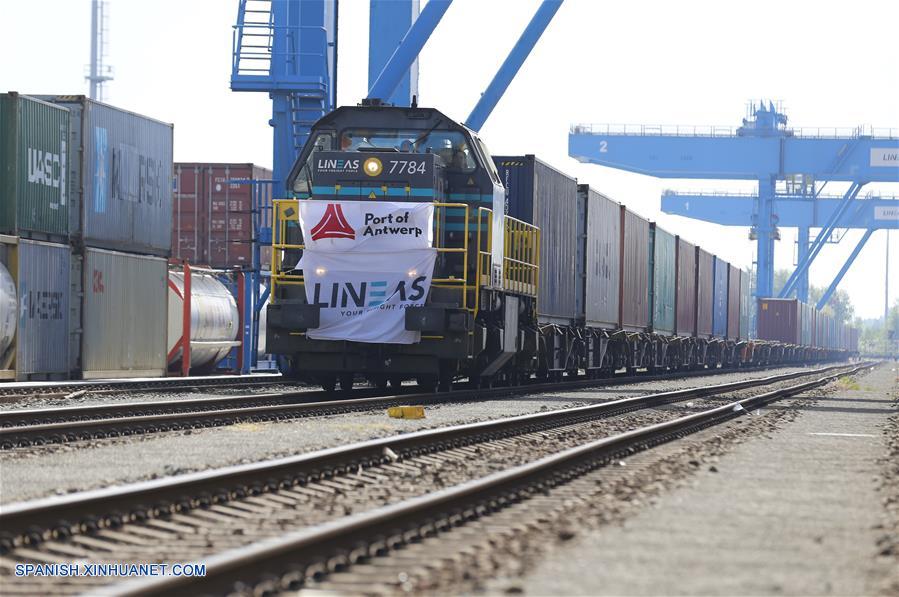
(705, 292)
(603, 248)
(539, 194)
(34, 153)
(746, 305)
(780, 320)
(807, 330)
(121, 187)
(719, 302)
(125, 315)
(685, 303)
(664, 282)
(634, 298)
(733, 302)
(40, 272)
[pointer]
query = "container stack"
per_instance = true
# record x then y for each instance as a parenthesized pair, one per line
(217, 207)
(86, 221)
(35, 261)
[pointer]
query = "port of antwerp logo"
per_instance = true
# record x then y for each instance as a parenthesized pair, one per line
(333, 225)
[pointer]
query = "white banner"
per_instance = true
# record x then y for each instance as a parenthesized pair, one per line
(366, 225)
(364, 295)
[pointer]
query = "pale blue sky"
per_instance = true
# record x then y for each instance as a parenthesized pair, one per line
(832, 64)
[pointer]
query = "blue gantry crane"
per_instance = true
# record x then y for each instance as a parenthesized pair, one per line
(792, 167)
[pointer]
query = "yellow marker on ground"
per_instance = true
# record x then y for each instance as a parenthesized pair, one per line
(406, 412)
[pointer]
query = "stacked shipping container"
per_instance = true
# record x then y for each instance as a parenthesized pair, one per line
(213, 212)
(82, 172)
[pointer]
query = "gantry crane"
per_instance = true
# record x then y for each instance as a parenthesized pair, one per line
(792, 168)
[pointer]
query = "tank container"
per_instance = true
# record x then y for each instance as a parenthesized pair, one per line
(214, 320)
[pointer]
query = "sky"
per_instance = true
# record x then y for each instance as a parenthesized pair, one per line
(832, 64)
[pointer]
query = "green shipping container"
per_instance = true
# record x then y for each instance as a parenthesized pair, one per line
(33, 156)
(663, 281)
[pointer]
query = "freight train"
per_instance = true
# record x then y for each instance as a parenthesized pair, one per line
(408, 251)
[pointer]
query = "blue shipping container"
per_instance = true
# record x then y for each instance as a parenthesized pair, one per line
(719, 305)
(539, 194)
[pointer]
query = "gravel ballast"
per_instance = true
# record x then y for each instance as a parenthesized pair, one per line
(797, 510)
(39, 472)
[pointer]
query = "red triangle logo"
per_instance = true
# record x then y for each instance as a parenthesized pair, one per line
(333, 225)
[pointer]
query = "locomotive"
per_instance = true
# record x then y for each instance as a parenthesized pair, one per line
(394, 259)
(398, 257)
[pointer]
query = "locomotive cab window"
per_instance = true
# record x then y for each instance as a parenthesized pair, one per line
(452, 146)
(303, 183)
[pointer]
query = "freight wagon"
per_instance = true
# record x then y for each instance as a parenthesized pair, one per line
(533, 274)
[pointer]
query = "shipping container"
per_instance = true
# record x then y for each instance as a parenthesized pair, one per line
(634, 290)
(747, 306)
(733, 302)
(40, 273)
(539, 194)
(780, 320)
(853, 339)
(705, 292)
(215, 206)
(721, 269)
(121, 187)
(125, 315)
(603, 249)
(807, 330)
(685, 303)
(580, 279)
(34, 198)
(664, 282)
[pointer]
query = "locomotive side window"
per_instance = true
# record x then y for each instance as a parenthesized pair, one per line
(452, 146)
(323, 142)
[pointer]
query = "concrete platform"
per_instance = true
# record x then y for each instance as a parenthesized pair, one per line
(794, 514)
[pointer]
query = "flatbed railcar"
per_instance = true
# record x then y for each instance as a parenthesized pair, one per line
(526, 272)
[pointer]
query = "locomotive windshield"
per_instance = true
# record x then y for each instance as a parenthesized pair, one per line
(386, 130)
(451, 146)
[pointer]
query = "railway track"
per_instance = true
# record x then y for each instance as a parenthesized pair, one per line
(42, 426)
(193, 515)
(13, 392)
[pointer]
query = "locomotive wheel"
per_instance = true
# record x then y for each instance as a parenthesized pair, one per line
(427, 383)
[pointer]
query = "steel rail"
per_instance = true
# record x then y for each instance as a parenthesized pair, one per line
(12, 391)
(24, 428)
(29, 523)
(282, 563)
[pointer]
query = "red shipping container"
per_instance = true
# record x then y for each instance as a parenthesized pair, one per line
(705, 292)
(213, 213)
(733, 302)
(685, 298)
(633, 300)
(779, 320)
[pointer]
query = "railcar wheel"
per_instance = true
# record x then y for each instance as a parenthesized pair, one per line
(346, 382)
(328, 382)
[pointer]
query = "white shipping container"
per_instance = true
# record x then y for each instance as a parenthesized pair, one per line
(124, 315)
(34, 346)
